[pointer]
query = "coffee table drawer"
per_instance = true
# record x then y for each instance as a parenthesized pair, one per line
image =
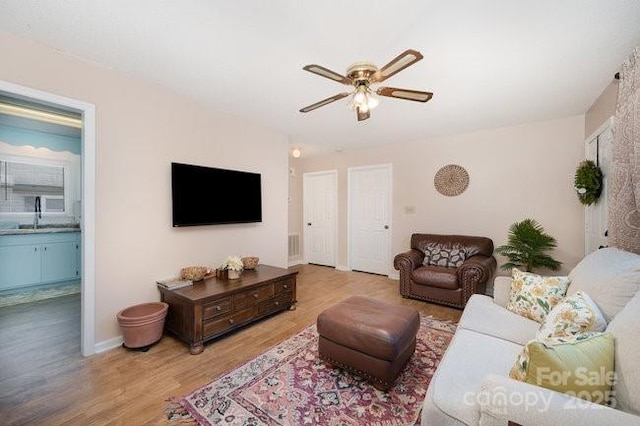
(284, 285)
(276, 304)
(220, 324)
(217, 307)
(252, 297)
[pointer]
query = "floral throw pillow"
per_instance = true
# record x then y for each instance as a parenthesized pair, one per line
(575, 314)
(533, 296)
(447, 256)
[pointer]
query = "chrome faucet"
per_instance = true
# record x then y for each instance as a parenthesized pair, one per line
(37, 213)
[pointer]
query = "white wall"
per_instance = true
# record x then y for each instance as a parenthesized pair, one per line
(295, 204)
(141, 129)
(515, 173)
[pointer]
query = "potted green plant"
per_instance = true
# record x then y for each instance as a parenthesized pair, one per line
(588, 182)
(527, 246)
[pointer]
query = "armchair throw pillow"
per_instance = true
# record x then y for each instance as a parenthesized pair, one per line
(575, 314)
(447, 256)
(533, 296)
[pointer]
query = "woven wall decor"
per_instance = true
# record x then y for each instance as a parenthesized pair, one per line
(451, 180)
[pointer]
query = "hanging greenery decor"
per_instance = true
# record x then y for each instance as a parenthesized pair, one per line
(588, 182)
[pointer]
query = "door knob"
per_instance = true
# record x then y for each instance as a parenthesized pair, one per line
(386, 227)
(308, 223)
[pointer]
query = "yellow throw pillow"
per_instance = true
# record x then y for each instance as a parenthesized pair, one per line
(575, 314)
(581, 368)
(533, 296)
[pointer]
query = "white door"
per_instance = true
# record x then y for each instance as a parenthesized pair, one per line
(370, 218)
(320, 194)
(599, 149)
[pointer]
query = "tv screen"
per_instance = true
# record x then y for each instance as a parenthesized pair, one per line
(207, 196)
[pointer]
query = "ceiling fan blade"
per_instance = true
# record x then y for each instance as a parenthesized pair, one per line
(362, 115)
(324, 102)
(397, 64)
(410, 95)
(324, 72)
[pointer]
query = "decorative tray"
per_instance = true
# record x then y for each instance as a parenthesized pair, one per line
(173, 283)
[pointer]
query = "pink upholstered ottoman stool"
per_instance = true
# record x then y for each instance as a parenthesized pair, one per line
(371, 338)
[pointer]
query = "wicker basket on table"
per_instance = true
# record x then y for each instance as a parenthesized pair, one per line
(194, 273)
(250, 262)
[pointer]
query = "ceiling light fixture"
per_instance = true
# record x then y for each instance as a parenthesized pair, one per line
(363, 98)
(296, 153)
(47, 117)
(364, 74)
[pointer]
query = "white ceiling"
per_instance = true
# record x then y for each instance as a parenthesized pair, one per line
(490, 63)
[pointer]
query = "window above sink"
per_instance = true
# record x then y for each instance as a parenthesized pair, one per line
(24, 179)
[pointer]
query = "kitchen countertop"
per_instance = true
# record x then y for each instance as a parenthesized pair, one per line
(43, 229)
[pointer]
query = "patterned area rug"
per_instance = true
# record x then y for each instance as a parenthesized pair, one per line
(290, 385)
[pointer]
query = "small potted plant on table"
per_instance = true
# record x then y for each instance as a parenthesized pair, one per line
(234, 266)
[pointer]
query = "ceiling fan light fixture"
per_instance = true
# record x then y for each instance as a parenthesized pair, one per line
(360, 96)
(362, 75)
(372, 100)
(363, 99)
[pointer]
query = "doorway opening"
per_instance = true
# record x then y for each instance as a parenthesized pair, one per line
(86, 208)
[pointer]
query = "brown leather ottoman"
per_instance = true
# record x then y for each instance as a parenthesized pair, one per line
(371, 338)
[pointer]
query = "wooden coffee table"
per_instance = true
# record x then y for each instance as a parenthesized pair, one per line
(213, 307)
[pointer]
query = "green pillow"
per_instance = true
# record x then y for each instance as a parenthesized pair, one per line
(582, 367)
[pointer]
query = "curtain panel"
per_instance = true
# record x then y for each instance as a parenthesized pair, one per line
(624, 195)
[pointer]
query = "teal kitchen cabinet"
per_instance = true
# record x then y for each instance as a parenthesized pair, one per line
(42, 258)
(59, 261)
(19, 265)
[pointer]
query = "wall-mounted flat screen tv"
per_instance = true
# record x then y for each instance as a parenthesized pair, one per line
(208, 196)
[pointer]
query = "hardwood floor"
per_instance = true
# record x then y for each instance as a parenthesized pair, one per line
(45, 381)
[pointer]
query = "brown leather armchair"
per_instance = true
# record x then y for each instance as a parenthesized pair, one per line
(445, 285)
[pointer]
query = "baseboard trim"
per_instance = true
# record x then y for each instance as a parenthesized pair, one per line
(296, 262)
(395, 275)
(109, 344)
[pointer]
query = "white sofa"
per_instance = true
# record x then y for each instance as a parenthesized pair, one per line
(472, 386)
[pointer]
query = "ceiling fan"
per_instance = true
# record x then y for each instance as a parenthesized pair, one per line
(362, 76)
